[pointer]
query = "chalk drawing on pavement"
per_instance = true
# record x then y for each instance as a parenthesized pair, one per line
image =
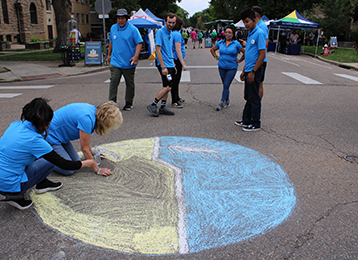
(170, 195)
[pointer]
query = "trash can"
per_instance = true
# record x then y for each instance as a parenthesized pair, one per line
(208, 43)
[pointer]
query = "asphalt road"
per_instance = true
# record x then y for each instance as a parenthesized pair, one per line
(307, 129)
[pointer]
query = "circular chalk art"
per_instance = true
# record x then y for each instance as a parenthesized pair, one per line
(170, 195)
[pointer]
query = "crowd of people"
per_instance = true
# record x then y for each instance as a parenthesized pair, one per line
(40, 142)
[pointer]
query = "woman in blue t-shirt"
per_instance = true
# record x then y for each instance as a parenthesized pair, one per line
(26, 159)
(78, 121)
(228, 48)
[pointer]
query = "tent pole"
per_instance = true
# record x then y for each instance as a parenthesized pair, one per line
(319, 32)
(303, 44)
(278, 34)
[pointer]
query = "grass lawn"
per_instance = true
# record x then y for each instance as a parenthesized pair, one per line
(344, 55)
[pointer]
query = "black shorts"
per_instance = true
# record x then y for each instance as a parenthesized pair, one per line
(263, 67)
(165, 80)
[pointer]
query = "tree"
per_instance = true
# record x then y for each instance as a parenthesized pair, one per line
(62, 9)
(337, 18)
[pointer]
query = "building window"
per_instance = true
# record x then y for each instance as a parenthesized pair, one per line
(82, 18)
(5, 13)
(48, 5)
(87, 22)
(8, 38)
(33, 13)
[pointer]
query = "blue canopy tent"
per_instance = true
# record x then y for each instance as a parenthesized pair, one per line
(148, 12)
(295, 20)
(143, 23)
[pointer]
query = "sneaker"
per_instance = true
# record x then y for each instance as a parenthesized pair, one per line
(47, 185)
(127, 107)
(227, 103)
(166, 111)
(20, 204)
(177, 105)
(181, 100)
(251, 128)
(241, 123)
(153, 110)
(220, 106)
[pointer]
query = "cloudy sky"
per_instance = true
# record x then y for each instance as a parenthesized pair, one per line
(193, 6)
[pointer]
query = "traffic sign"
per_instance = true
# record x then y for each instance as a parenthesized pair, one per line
(103, 6)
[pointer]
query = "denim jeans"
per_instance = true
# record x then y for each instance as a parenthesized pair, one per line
(227, 77)
(252, 109)
(116, 74)
(68, 152)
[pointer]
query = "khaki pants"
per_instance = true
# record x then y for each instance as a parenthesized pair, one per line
(116, 74)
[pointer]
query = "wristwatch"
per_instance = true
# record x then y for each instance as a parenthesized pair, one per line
(254, 71)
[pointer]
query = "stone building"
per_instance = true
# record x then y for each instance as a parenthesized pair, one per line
(22, 19)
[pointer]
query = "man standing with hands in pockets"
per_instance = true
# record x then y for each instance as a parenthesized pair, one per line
(165, 65)
(125, 43)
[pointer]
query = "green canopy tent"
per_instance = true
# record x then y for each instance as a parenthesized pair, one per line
(295, 20)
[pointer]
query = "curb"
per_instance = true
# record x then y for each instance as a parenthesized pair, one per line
(331, 61)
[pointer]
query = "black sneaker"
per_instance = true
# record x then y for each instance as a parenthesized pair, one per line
(177, 105)
(20, 204)
(166, 111)
(251, 128)
(153, 110)
(128, 107)
(241, 123)
(47, 185)
(181, 100)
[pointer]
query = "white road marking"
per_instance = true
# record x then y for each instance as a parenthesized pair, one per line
(347, 76)
(9, 95)
(284, 59)
(109, 80)
(27, 87)
(237, 77)
(301, 78)
(185, 76)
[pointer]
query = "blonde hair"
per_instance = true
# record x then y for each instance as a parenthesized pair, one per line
(108, 118)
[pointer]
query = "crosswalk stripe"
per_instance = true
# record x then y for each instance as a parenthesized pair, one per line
(347, 76)
(27, 87)
(109, 80)
(185, 76)
(301, 78)
(9, 95)
(237, 77)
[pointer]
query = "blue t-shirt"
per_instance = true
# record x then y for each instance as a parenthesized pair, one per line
(20, 145)
(163, 39)
(256, 41)
(263, 27)
(228, 55)
(124, 42)
(69, 120)
(177, 37)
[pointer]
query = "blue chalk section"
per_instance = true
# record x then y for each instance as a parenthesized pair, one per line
(232, 193)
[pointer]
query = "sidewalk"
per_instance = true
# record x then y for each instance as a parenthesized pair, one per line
(28, 70)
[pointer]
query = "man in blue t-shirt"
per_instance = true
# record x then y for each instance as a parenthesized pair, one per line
(165, 65)
(262, 26)
(252, 72)
(125, 43)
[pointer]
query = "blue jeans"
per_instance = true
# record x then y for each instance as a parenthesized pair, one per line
(227, 77)
(68, 152)
(252, 109)
(36, 172)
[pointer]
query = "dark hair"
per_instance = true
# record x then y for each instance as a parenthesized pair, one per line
(170, 15)
(247, 13)
(257, 9)
(39, 113)
(178, 24)
(233, 29)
